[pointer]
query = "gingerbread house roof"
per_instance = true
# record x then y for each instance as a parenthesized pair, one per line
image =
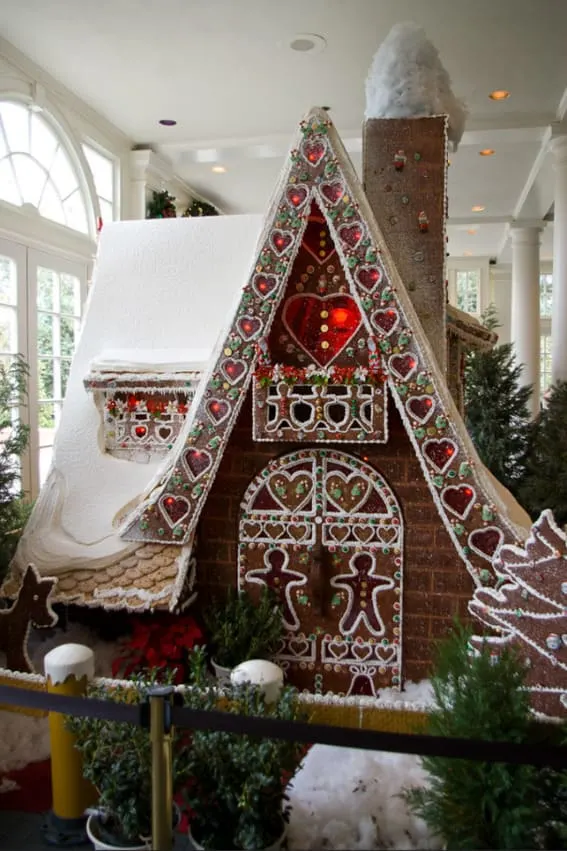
(477, 515)
(469, 330)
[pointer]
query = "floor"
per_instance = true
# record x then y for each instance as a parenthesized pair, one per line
(22, 832)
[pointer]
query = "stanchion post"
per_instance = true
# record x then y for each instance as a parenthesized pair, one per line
(68, 669)
(160, 698)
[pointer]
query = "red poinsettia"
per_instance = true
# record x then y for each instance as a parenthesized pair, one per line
(159, 640)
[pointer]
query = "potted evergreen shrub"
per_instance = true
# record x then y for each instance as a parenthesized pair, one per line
(240, 629)
(117, 760)
(472, 804)
(236, 790)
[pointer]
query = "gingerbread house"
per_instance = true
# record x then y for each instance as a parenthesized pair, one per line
(311, 443)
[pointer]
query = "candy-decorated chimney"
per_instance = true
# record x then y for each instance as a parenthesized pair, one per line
(411, 112)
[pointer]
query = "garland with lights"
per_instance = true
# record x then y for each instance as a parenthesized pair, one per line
(266, 375)
(161, 206)
(200, 208)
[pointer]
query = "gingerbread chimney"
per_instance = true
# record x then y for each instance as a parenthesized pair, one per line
(411, 112)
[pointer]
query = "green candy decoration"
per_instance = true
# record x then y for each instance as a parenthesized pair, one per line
(465, 469)
(419, 433)
(459, 529)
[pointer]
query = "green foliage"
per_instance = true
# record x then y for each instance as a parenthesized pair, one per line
(200, 208)
(14, 511)
(237, 786)
(161, 206)
(117, 759)
(240, 629)
(496, 410)
(545, 482)
(477, 805)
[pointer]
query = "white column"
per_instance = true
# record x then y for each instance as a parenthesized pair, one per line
(525, 304)
(559, 311)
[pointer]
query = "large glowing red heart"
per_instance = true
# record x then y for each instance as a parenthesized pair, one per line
(322, 325)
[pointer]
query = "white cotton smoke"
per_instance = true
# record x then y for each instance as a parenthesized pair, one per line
(407, 80)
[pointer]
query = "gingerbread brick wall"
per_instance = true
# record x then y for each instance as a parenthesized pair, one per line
(437, 585)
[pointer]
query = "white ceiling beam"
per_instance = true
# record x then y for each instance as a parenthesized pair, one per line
(477, 221)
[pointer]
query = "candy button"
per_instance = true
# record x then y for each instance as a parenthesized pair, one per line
(324, 327)
(324, 344)
(324, 314)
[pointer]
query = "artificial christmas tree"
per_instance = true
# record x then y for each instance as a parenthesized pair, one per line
(545, 482)
(161, 206)
(496, 411)
(527, 609)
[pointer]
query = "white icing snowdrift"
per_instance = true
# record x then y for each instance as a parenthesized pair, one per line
(158, 283)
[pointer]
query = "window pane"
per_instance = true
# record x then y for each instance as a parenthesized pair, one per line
(44, 143)
(102, 169)
(45, 333)
(31, 178)
(70, 295)
(46, 421)
(8, 330)
(75, 212)
(63, 175)
(46, 288)
(16, 122)
(8, 281)
(67, 332)
(45, 388)
(8, 187)
(50, 205)
(106, 210)
(545, 294)
(65, 370)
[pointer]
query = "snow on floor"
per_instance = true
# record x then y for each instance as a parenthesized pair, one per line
(25, 738)
(350, 799)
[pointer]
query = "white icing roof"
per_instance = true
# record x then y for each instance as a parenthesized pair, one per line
(164, 282)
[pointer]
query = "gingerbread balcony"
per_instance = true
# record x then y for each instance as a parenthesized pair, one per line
(336, 404)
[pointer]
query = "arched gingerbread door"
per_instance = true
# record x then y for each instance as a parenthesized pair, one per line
(325, 531)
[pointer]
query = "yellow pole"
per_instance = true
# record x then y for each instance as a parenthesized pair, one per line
(68, 670)
(162, 780)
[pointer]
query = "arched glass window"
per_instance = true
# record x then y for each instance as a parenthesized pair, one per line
(35, 168)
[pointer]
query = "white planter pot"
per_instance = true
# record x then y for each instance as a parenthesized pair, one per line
(276, 846)
(222, 674)
(99, 845)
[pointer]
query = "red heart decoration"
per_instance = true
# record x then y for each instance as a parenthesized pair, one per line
(486, 541)
(140, 431)
(281, 240)
(314, 151)
(297, 195)
(249, 327)
(332, 192)
(458, 499)
(302, 319)
(264, 284)
(351, 235)
(218, 409)
(368, 277)
(233, 370)
(441, 453)
(386, 320)
(174, 508)
(403, 365)
(421, 408)
(197, 461)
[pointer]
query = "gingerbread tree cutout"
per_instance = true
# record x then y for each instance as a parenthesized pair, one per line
(319, 172)
(31, 608)
(528, 609)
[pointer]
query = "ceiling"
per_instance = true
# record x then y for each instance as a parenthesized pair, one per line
(223, 69)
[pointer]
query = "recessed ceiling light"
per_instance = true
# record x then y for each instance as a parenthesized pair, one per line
(499, 94)
(167, 122)
(472, 231)
(467, 253)
(478, 208)
(487, 152)
(308, 43)
(218, 169)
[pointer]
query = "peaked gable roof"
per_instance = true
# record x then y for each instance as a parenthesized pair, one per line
(318, 169)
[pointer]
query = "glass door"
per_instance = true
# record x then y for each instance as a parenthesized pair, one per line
(57, 291)
(13, 324)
